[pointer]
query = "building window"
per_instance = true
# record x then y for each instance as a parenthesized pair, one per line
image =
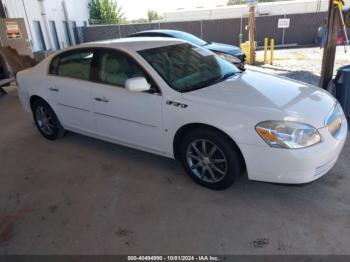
(54, 34)
(67, 33)
(39, 36)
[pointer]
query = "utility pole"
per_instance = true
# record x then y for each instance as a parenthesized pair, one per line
(331, 45)
(69, 22)
(2, 10)
(46, 24)
(252, 32)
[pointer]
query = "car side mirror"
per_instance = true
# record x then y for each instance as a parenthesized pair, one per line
(137, 84)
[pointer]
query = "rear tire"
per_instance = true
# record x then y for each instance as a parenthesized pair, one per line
(210, 159)
(46, 121)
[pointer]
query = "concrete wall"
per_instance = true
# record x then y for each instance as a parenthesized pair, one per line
(303, 29)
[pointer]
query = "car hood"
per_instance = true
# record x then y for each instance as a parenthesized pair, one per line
(230, 49)
(267, 97)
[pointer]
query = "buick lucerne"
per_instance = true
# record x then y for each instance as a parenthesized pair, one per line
(169, 97)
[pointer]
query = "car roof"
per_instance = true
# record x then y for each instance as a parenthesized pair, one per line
(162, 31)
(135, 44)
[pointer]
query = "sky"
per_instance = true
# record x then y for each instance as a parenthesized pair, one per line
(134, 9)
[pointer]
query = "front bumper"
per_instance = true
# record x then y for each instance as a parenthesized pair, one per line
(294, 166)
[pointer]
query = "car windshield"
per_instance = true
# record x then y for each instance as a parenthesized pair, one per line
(186, 67)
(189, 38)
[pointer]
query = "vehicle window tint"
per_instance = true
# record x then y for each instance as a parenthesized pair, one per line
(54, 66)
(157, 35)
(190, 38)
(115, 68)
(150, 34)
(75, 65)
(186, 67)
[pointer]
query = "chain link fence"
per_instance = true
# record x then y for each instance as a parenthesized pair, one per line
(303, 29)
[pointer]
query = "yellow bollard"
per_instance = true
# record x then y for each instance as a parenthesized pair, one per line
(266, 46)
(246, 50)
(272, 47)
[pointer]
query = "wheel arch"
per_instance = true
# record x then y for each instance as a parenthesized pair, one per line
(188, 127)
(35, 98)
(60, 131)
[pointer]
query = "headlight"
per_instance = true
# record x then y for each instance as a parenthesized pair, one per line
(284, 134)
(230, 58)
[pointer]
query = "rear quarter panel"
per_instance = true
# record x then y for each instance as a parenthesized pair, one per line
(33, 82)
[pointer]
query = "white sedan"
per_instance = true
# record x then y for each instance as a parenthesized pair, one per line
(171, 98)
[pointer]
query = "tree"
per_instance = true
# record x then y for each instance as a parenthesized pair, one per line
(153, 15)
(106, 11)
(95, 10)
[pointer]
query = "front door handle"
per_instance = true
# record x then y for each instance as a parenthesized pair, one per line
(52, 89)
(103, 100)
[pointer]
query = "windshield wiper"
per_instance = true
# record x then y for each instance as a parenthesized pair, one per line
(228, 75)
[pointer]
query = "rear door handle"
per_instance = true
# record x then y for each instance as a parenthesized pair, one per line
(52, 89)
(103, 100)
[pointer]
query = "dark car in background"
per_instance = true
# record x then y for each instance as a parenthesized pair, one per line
(231, 53)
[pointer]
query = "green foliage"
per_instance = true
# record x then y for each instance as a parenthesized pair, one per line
(95, 9)
(106, 11)
(153, 15)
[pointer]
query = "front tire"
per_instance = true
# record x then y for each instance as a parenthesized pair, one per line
(46, 121)
(210, 159)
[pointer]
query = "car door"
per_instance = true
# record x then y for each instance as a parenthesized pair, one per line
(130, 118)
(70, 88)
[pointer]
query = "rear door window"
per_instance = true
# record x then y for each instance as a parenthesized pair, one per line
(75, 64)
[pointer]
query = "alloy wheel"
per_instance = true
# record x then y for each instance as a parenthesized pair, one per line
(44, 120)
(207, 161)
